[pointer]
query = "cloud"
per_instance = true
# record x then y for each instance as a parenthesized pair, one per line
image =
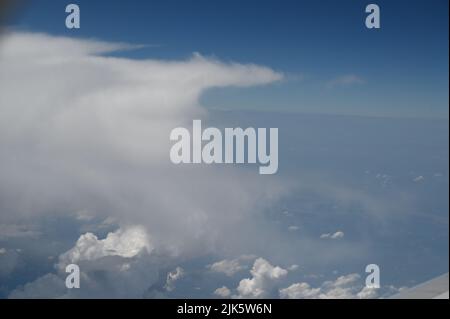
(264, 277)
(345, 80)
(231, 266)
(299, 291)
(337, 235)
(125, 243)
(81, 131)
(95, 131)
(344, 287)
(222, 292)
(293, 267)
(120, 266)
(47, 286)
(172, 277)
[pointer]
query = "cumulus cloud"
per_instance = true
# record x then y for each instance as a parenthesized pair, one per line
(337, 235)
(121, 265)
(264, 277)
(125, 243)
(344, 287)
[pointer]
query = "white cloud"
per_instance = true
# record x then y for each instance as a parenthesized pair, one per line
(344, 287)
(299, 291)
(367, 293)
(89, 133)
(125, 243)
(2, 251)
(223, 292)
(264, 277)
(293, 228)
(95, 131)
(231, 266)
(121, 265)
(337, 235)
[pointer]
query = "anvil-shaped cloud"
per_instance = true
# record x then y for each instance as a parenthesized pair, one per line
(81, 130)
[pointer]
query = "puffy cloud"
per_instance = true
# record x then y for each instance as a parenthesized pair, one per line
(299, 291)
(223, 292)
(125, 243)
(121, 265)
(337, 235)
(367, 293)
(264, 277)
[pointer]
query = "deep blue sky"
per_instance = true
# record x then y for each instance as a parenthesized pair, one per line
(404, 65)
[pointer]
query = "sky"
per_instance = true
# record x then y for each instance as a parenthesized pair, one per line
(85, 175)
(399, 70)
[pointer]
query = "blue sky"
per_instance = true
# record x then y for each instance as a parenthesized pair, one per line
(401, 69)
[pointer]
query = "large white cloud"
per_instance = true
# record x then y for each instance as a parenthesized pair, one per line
(264, 276)
(83, 131)
(125, 243)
